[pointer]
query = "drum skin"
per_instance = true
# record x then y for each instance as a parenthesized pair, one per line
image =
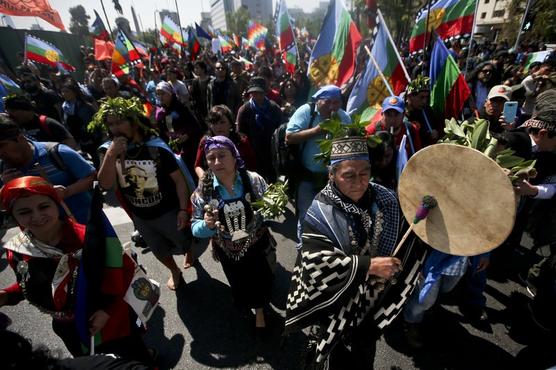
(476, 202)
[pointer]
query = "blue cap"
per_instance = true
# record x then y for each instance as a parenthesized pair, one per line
(327, 92)
(393, 102)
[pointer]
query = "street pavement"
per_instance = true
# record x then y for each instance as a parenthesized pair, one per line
(197, 327)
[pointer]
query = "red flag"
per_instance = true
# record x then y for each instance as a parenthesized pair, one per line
(32, 8)
(103, 49)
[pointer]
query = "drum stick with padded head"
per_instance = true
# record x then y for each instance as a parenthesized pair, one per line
(426, 205)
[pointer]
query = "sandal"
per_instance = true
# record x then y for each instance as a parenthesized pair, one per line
(172, 284)
(188, 260)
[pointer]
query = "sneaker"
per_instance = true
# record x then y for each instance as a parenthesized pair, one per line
(137, 238)
(413, 335)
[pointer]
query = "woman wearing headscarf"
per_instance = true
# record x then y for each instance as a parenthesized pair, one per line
(241, 241)
(221, 123)
(46, 258)
(77, 113)
(178, 126)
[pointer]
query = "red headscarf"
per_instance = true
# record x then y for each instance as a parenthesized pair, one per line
(24, 187)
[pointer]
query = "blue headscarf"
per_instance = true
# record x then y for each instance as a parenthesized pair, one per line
(328, 92)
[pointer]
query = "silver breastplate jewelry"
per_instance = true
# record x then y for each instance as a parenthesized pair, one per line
(236, 220)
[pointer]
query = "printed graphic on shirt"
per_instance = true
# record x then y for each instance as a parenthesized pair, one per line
(139, 182)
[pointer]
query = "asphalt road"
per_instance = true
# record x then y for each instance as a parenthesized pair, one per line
(197, 327)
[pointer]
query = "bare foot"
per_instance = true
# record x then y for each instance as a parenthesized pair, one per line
(174, 280)
(188, 260)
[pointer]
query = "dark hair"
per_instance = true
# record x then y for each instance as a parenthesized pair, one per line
(216, 114)
(201, 65)
(536, 130)
(284, 84)
(265, 72)
(9, 130)
(18, 102)
(74, 87)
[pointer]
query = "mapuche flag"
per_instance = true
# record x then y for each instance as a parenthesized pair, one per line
(171, 31)
(98, 30)
(32, 8)
(448, 18)
(46, 53)
(286, 38)
(100, 277)
(370, 90)
(333, 58)
(256, 34)
(449, 91)
(124, 56)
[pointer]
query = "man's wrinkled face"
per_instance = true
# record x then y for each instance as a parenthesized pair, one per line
(352, 178)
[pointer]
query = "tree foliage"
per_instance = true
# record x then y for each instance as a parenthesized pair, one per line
(79, 22)
(544, 26)
(237, 21)
(123, 24)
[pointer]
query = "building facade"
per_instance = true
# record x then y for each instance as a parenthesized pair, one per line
(218, 10)
(490, 16)
(206, 20)
(259, 10)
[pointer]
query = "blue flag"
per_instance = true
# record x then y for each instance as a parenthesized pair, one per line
(201, 32)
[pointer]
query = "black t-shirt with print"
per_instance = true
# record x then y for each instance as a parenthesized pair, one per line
(146, 184)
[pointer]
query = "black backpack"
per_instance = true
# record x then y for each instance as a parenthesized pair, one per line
(286, 159)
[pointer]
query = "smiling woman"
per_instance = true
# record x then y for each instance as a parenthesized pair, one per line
(47, 256)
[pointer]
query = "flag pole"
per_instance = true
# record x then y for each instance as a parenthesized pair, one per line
(156, 36)
(107, 21)
(380, 71)
(426, 32)
(179, 25)
(381, 18)
(521, 24)
(471, 39)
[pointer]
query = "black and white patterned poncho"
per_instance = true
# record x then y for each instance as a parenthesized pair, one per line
(329, 285)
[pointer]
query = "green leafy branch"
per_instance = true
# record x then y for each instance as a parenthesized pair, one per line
(274, 201)
(477, 136)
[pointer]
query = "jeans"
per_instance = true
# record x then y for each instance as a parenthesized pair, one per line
(306, 192)
(475, 283)
(414, 310)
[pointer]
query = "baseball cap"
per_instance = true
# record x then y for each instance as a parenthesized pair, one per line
(393, 102)
(257, 84)
(500, 91)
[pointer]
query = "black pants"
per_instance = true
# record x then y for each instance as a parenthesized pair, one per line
(361, 354)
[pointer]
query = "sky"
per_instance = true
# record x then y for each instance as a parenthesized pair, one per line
(189, 10)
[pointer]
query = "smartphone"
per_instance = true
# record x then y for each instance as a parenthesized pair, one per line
(510, 111)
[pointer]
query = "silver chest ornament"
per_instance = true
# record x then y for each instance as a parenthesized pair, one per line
(23, 270)
(235, 218)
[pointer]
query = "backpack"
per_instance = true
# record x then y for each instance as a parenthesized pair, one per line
(286, 159)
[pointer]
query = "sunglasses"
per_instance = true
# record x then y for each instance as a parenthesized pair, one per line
(486, 71)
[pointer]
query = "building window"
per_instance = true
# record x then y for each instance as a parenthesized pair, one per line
(498, 13)
(483, 15)
(487, 1)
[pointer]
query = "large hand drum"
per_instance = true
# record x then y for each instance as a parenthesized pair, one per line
(476, 202)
